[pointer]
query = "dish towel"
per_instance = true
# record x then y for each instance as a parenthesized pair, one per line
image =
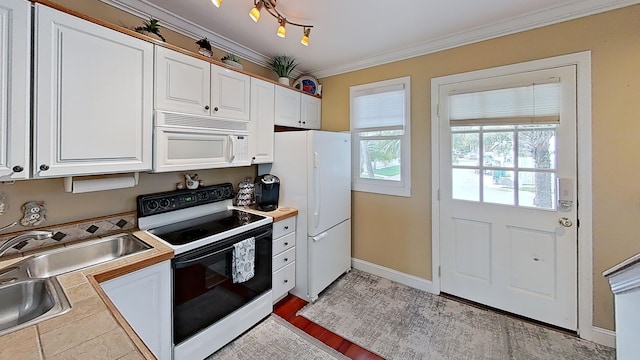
(244, 254)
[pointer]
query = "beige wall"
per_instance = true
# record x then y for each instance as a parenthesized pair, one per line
(395, 232)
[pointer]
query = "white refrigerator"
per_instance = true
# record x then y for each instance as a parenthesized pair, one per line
(314, 168)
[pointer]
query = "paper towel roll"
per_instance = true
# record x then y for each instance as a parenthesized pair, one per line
(82, 186)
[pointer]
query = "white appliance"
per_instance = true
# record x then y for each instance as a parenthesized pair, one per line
(190, 142)
(314, 168)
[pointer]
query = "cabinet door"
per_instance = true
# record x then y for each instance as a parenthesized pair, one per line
(262, 115)
(287, 109)
(310, 112)
(230, 93)
(183, 83)
(144, 300)
(94, 98)
(15, 55)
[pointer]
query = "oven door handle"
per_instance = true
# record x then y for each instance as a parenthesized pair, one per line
(183, 263)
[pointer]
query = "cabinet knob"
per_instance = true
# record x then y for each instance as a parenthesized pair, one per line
(44, 167)
(304, 122)
(286, 281)
(206, 107)
(286, 227)
(215, 108)
(18, 168)
(286, 259)
(285, 244)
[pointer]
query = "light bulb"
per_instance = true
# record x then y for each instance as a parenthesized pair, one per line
(282, 32)
(217, 3)
(254, 14)
(305, 38)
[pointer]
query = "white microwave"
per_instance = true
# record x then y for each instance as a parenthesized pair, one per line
(190, 142)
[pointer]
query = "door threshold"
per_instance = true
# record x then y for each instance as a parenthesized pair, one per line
(511, 315)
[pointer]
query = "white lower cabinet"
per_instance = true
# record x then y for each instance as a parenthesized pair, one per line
(284, 258)
(144, 299)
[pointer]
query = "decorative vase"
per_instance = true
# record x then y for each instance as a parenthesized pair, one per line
(232, 63)
(283, 80)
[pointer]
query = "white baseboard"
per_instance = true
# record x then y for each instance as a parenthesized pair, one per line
(393, 275)
(603, 337)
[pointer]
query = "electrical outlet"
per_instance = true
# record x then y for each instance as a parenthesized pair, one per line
(34, 213)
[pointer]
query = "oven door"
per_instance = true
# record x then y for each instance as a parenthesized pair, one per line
(204, 291)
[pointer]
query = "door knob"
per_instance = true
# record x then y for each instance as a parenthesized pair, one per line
(565, 222)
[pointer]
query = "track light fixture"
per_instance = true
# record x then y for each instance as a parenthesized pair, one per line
(270, 6)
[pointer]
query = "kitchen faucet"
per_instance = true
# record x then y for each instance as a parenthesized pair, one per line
(31, 235)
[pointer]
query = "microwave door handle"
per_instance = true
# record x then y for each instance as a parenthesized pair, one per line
(184, 263)
(232, 156)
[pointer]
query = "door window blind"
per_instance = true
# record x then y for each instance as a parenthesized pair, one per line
(532, 104)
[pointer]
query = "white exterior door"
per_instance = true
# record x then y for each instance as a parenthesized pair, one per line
(508, 216)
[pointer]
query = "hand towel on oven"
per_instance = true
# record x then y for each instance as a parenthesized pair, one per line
(244, 254)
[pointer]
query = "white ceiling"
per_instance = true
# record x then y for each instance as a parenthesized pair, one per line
(354, 34)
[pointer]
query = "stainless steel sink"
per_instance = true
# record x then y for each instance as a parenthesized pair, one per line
(86, 254)
(29, 291)
(27, 302)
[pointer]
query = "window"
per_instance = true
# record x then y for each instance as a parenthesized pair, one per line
(380, 130)
(503, 145)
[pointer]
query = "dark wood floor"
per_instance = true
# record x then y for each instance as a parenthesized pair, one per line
(287, 309)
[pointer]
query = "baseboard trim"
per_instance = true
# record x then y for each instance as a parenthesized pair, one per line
(603, 337)
(393, 275)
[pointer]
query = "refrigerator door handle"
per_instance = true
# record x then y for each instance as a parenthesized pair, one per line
(316, 189)
(319, 237)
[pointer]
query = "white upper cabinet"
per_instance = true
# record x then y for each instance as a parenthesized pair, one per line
(310, 112)
(262, 115)
(15, 55)
(186, 84)
(287, 110)
(182, 83)
(230, 93)
(93, 96)
(295, 109)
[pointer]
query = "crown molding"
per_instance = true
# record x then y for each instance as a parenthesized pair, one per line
(549, 16)
(173, 22)
(533, 20)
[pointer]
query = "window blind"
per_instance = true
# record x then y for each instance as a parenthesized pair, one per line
(532, 104)
(380, 108)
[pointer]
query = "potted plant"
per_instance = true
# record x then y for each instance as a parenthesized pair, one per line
(150, 27)
(283, 65)
(231, 59)
(204, 47)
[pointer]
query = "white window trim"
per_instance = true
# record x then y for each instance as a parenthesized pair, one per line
(386, 187)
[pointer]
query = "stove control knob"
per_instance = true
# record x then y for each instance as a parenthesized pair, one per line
(152, 205)
(164, 203)
(227, 192)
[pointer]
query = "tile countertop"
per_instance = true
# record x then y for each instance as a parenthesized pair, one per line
(93, 328)
(280, 213)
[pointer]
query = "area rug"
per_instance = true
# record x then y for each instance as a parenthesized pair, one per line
(274, 338)
(399, 322)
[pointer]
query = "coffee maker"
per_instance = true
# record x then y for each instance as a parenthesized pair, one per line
(267, 190)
